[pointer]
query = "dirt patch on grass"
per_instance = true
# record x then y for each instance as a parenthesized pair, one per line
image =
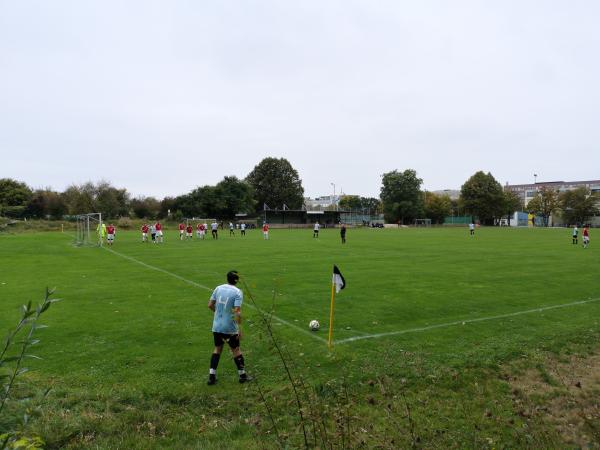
(563, 391)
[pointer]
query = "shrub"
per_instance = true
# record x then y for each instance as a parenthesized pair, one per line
(125, 223)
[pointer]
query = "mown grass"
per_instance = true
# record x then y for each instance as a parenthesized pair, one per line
(127, 350)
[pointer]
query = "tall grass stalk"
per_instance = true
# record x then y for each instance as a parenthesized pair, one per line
(267, 322)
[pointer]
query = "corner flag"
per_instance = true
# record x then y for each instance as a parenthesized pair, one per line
(337, 284)
(338, 279)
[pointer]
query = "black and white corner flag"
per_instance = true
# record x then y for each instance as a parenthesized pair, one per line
(338, 279)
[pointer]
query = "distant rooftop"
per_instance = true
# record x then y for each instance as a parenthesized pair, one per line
(555, 183)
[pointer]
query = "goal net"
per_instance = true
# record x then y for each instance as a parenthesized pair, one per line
(90, 230)
(422, 222)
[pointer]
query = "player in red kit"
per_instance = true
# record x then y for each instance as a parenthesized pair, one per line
(586, 236)
(189, 230)
(159, 232)
(181, 231)
(110, 234)
(145, 233)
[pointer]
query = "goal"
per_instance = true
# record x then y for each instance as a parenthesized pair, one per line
(422, 222)
(89, 230)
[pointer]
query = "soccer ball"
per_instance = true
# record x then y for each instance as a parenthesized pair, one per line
(314, 325)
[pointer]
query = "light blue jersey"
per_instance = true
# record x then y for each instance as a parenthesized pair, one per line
(226, 297)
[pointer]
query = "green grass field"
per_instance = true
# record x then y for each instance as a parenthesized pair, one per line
(430, 323)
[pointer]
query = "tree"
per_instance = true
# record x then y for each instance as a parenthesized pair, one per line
(579, 205)
(350, 202)
(101, 197)
(437, 207)
(167, 205)
(371, 204)
(145, 207)
(46, 203)
(233, 196)
(204, 200)
(401, 196)
(14, 197)
(110, 201)
(482, 196)
(544, 203)
(276, 183)
(80, 198)
(512, 203)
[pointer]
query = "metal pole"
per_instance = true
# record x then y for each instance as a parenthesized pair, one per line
(333, 198)
(100, 228)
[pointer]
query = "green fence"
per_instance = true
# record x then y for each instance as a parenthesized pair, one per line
(457, 220)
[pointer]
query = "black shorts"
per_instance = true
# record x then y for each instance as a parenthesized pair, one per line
(232, 339)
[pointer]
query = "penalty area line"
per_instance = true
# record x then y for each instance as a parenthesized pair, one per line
(201, 286)
(465, 321)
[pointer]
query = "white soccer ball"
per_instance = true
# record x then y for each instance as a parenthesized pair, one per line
(314, 325)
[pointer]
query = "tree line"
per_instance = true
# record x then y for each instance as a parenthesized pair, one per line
(274, 183)
(481, 196)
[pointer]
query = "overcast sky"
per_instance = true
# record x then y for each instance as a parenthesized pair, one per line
(161, 97)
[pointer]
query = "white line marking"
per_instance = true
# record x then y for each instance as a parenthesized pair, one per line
(158, 269)
(460, 322)
(201, 286)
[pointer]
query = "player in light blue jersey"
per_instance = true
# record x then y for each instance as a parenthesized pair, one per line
(226, 303)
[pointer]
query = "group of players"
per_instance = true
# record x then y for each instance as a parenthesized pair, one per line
(187, 231)
(586, 235)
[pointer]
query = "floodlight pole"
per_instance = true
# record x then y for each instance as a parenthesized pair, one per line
(333, 198)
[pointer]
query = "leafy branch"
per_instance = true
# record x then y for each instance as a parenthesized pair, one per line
(28, 323)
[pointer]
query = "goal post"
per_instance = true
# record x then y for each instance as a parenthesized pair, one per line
(422, 222)
(90, 230)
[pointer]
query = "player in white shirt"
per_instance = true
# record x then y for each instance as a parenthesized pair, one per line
(316, 230)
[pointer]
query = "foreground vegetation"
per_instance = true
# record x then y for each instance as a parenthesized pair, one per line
(126, 352)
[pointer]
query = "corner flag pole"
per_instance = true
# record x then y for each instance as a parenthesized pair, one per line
(329, 342)
(337, 284)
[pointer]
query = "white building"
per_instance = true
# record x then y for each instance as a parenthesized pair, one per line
(527, 191)
(322, 202)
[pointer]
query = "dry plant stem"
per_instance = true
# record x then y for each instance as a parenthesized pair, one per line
(313, 414)
(410, 421)
(347, 412)
(283, 361)
(270, 413)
